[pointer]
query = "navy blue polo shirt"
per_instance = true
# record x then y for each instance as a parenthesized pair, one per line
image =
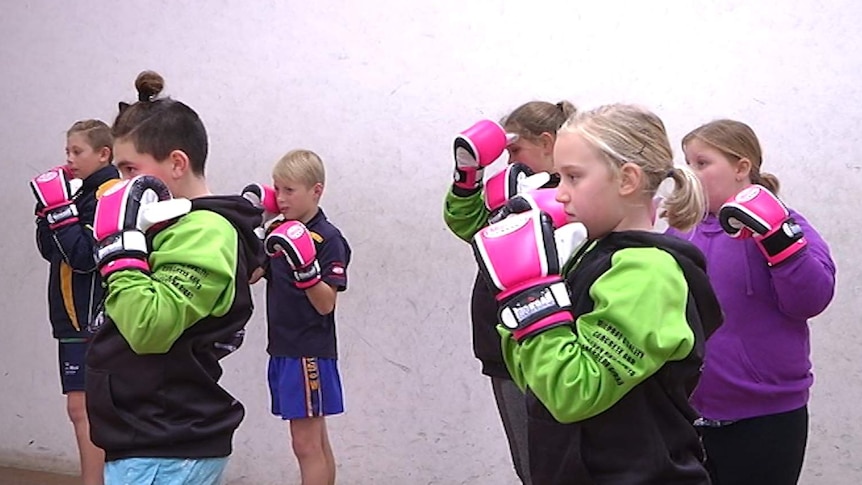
(295, 328)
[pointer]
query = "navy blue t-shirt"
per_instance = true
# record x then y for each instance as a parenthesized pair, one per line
(295, 328)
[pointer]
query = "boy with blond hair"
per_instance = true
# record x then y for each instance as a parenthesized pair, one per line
(306, 270)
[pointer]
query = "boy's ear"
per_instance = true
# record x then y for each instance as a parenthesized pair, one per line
(105, 155)
(180, 163)
(318, 189)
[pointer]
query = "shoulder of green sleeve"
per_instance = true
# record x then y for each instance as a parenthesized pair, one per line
(205, 221)
(641, 271)
(201, 238)
(644, 266)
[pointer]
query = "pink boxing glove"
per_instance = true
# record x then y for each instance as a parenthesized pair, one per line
(519, 257)
(124, 213)
(475, 148)
(53, 191)
(538, 199)
(756, 212)
(512, 180)
(568, 237)
(263, 197)
(293, 241)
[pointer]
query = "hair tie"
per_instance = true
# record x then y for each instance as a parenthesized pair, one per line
(144, 98)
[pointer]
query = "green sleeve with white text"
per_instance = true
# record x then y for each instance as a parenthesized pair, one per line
(637, 324)
(193, 266)
(465, 216)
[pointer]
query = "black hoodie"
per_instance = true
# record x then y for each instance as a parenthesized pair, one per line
(647, 436)
(153, 364)
(74, 285)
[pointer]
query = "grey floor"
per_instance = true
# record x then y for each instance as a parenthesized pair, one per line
(15, 476)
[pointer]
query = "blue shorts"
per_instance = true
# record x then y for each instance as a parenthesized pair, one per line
(72, 354)
(165, 471)
(305, 388)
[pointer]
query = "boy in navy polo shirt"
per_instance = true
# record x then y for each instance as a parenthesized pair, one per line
(307, 268)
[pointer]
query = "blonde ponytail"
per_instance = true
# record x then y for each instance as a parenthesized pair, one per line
(686, 206)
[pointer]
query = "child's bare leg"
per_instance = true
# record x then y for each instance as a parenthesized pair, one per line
(330, 458)
(308, 446)
(92, 458)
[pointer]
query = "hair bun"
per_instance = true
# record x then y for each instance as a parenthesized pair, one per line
(149, 84)
(567, 108)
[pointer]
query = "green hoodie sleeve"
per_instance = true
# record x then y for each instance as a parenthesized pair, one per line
(465, 216)
(638, 323)
(193, 275)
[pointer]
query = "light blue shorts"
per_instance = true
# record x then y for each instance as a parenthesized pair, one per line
(165, 471)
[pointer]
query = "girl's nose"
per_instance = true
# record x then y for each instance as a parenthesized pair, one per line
(560, 196)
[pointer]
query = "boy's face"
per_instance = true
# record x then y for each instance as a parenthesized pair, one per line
(296, 200)
(132, 163)
(82, 159)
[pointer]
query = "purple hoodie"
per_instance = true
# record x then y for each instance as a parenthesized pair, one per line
(757, 363)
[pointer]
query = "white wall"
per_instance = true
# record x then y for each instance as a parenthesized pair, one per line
(378, 92)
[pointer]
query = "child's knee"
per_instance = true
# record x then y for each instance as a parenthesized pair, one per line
(307, 437)
(306, 449)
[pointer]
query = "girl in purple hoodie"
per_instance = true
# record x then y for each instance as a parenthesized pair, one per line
(772, 272)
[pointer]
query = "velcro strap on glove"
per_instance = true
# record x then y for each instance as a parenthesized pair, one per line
(60, 216)
(536, 309)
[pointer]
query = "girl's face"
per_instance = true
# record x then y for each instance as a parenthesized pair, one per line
(538, 155)
(721, 177)
(588, 188)
(81, 159)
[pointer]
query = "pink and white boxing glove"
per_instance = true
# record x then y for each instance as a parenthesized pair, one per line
(568, 236)
(475, 148)
(293, 241)
(124, 213)
(756, 212)
(264, 198)
(54, 190)
(512, 180)
(537, 199)
(519, 257)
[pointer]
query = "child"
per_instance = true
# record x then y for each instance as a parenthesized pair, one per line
(613, 344)
(177, 290)
(535, 124)
(754, 391)
(64, 236)
(308, 267)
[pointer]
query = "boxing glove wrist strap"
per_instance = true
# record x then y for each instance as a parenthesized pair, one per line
(462, 191)
(131, 244)
(785, 241)
(536, 309)
(120, 264)
(61, 215)
(308, 276)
